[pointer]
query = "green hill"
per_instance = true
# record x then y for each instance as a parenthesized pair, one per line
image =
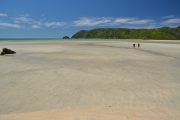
(164, 33)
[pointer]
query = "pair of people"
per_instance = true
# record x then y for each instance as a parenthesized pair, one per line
(134, 45)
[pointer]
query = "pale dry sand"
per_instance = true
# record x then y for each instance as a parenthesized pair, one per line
(90, 80)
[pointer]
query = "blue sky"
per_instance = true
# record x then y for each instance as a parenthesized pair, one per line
(56, 18)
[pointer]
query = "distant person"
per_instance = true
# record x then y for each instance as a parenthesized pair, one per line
(134, 45)
(139, 45)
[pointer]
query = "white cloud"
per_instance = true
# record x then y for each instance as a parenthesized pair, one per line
(133, 21)
(171, 21)
(92, 21)
(168, 17)
(28, 22)
(9, 25)
(23, 19)
(54, 24)
(107, 21)
(37, 24)
(141, 22)
(3, 15)
(123, 20)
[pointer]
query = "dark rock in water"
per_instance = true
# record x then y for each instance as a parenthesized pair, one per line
(7, 51)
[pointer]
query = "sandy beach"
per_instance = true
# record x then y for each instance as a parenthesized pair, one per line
(90, 80)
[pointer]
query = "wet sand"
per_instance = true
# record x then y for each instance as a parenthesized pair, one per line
(90, 80)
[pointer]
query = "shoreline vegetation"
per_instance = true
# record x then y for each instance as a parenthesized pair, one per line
(163, 33)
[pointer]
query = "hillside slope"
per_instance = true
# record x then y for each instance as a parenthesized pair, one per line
(163, 33)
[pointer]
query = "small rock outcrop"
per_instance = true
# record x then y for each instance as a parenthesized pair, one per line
(66, 37)
(7, 51)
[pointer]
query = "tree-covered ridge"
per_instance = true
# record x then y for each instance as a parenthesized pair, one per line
(164, 33)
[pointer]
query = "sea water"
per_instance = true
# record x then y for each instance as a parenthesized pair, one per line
(28, 39)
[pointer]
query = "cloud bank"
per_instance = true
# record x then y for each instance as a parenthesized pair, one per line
(28, 22)
(9, 25)
(3, 15)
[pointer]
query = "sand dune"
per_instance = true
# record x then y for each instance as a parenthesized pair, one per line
(90, 80)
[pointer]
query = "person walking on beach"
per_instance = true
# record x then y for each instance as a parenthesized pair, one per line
(139, 45)
(134, 45)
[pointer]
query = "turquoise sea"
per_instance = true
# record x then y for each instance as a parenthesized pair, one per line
(28, 39)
